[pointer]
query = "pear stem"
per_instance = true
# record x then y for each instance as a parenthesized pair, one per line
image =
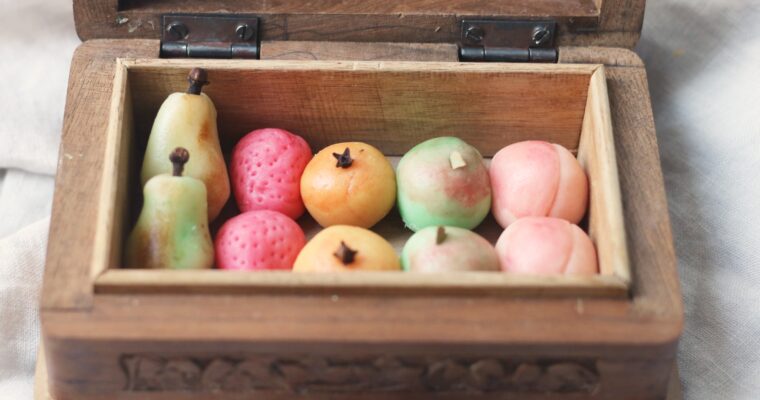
(456, 159)
(179, 158)
(197, 78)
(440, 235)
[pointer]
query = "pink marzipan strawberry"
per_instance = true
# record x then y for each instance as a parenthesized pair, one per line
(258, 240)
(266, 170)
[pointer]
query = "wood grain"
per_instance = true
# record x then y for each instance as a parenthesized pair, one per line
(115, 185)
(228, 369)
(355, 51)
(41, 377)
(433, 7)
(390, 105)
(581, 22)
(611, 57)
(596, 154)
(643, 193)
(134, 281)
(67, 283)
(86, 334)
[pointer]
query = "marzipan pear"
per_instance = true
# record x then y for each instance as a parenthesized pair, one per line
(172, 230)
(189, 120)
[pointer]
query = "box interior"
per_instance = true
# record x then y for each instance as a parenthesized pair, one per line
(393, 106)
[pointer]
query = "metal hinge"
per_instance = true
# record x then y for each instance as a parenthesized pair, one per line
(508, 41)
(210, 36)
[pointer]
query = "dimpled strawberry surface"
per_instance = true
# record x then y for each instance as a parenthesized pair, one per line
(258, 240)
(266, 171)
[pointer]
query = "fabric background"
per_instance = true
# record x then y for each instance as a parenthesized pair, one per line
(703, 60)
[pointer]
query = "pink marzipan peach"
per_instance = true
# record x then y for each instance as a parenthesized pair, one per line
(546, 246)
(537, 179)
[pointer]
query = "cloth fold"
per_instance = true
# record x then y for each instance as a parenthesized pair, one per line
(25, 198)
(38, 39)
(23, 258)
(702, 61)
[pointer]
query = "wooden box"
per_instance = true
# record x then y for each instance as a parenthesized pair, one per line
(387, 74)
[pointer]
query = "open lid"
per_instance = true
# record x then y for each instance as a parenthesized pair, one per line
(615, 23)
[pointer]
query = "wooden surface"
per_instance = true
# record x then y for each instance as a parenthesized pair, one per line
(582, 22)
(86, 334)
(41, 377)
(391, 105)
(355, 51)
(117, 167)
(138, 281)
(80, 165)
(610, 57)
(41, 381)
(596, 153)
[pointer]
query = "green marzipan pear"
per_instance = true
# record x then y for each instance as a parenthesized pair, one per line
(189, 120)
(172, 230)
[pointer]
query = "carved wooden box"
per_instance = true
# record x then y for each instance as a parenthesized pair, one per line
(111, 332)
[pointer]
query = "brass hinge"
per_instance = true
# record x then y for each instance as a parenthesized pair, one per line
(508, 41)
(210, 36)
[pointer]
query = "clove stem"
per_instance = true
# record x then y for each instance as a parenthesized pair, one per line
(344, 159)
(345, 254)
(197, 78)
(179, 158)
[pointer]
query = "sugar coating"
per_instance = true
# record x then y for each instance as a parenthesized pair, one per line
(360, 194)
(536, 178)
(432, 192)
(266, 171)
(546, 246)
(460, 250)
(172, 229)
(373, 252)
(258, 240)
(189, 121)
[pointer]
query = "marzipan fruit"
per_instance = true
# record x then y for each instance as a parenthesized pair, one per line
(189, 120)
(172, 229)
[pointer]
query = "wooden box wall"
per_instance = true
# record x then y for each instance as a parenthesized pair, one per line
(392, 105)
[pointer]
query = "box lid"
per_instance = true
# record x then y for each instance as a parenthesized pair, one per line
(580, 22)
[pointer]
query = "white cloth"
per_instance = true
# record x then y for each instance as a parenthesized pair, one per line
(23, 258)
(25, 197)
(703, 60)
(37, 40)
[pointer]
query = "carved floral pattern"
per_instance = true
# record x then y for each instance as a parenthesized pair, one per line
(369, 374)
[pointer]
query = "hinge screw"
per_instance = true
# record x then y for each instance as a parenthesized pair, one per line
(541, 35)
(177, 29)
(474, 33)
(244, 32)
